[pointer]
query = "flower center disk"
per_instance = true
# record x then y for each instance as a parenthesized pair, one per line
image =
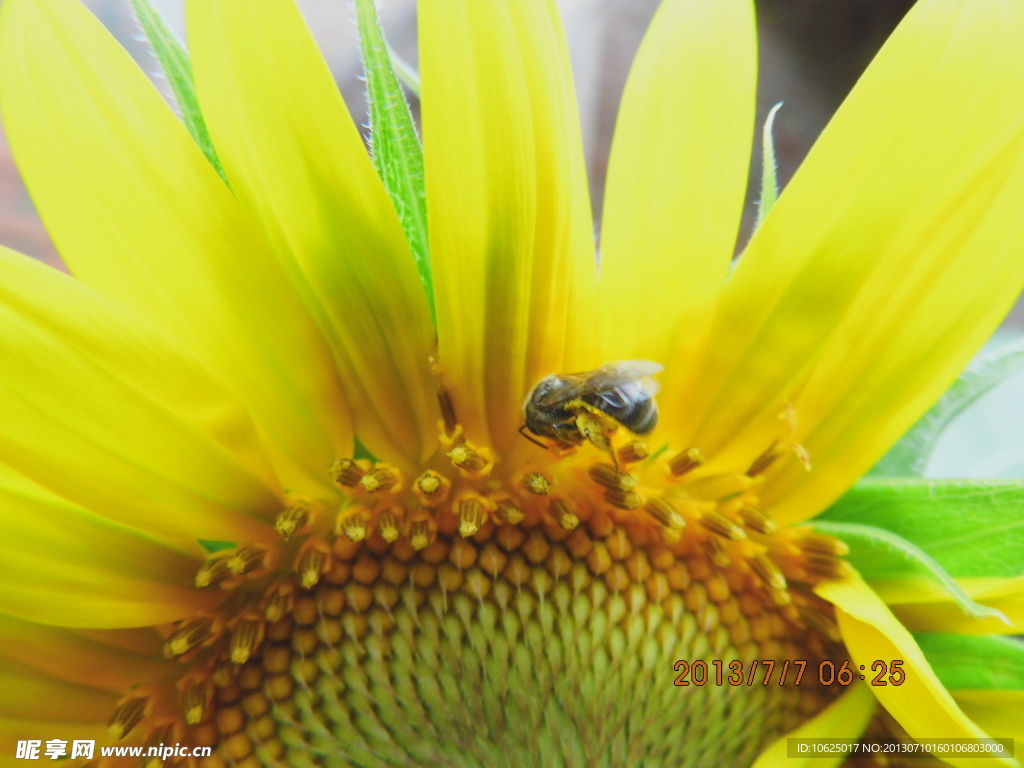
(533, 617)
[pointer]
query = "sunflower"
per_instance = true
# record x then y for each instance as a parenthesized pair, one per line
(264, 493)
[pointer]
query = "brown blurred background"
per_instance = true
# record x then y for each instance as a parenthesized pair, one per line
(811, 53)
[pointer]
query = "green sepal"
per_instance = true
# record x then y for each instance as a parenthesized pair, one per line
(215, 546)
(394, 144)
(909, 457)
(880, 554)
(769, 175)
(973, 528)
(177, 69)
(974, 661)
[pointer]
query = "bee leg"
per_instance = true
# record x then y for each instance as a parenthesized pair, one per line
(532, 440)
(593, 430)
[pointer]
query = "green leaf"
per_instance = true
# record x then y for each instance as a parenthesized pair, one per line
(880, 554)
(769, 177)
(396, 149)
(973, 528)
(909, 457)
(177, 69)
(215, 546)
(974, 661)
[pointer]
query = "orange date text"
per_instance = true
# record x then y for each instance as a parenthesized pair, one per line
(767, 671)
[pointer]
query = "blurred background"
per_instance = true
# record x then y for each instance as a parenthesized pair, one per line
(811, 53)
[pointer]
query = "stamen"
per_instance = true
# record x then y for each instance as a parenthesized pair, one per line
(188, 637)
(450, 422)
(193, 702)
(768, 571)
(472, 515)
(611, 476)
(671, 535)
(764, 461)
(352, 522)
(802, 455)
(822, 544)
(665, 513)
(715, 550)
(509, 512)
(472, 462)
(224, 673)
(419, 536)
(388, 524)
(381, 478)
(825, 566)
(213, 572)
(245, 639)
(157, 738)
(447, 411)
(279, 603)
(634, 451)
(820, 623)
(757, 521)
(564, 514)
(126, 716)
(313, 563)
(246, 559)
(432, 488)
(537, 484)
(627, 500)
(684, 463)
(429, 483)
(293, 519)
(720, 525)
(347, 473)
(464, 457)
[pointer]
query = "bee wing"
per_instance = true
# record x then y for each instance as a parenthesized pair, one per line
(605, 380)
(630, 393)
(573, 384)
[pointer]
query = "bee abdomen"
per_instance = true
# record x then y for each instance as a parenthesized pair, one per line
(644, 418)
(639, 417)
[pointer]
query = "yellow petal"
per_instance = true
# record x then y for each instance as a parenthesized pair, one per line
(61, 564)
(69, 656)
(108, 412)
(921, 606)
(40, 706)
(59, 683)
(921, 704)
(137, 211)
(677, 177)
(887, 261)
(510, 231)
(138, 641)
(1000, 713)
(27, 694)
(845, 718)
(300, 167)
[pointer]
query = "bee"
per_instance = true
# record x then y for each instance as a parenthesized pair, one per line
(571, 408)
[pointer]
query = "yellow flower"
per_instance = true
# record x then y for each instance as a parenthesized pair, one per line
(192, 552)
